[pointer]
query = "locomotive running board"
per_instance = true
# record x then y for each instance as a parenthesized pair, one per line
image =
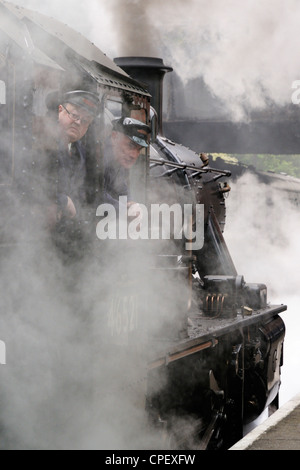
(205, 335)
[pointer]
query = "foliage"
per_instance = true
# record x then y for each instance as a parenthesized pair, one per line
(289, 164)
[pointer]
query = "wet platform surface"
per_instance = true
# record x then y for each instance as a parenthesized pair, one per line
(281, 431)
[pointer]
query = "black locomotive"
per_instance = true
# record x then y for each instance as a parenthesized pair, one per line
(201, 349)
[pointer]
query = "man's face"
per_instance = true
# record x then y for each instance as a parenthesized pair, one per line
(126, 151)
(74, 121)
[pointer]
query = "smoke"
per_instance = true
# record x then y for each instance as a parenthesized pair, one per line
(262, 233)
(75, 334)
(76, 339)
(243, 52)
(64, 386)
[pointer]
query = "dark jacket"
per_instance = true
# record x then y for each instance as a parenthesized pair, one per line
(68, 179)
(71, 175)
(116, 179)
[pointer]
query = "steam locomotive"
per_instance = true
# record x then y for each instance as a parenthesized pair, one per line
(201, 348)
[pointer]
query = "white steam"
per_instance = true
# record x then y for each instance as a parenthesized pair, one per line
(75, 376)
(262, 233)
(245, 52)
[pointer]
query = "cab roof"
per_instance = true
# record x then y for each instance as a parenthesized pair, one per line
(23, 26)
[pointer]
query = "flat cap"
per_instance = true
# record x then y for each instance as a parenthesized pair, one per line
(137, 131)
(85, 99)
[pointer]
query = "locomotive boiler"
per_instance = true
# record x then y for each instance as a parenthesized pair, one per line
(201, 349)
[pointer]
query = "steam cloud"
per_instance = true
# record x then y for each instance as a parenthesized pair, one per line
(245, 52)
(75, 376)
(262, 234)
(235, 49)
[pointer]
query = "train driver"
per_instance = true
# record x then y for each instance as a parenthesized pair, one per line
(128, 137)
(76, 111)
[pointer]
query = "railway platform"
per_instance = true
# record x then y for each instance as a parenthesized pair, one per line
(281, 431)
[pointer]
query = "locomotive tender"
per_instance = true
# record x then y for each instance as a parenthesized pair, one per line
(210, 345)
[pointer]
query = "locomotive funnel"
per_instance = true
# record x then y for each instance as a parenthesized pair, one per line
(150, 71)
